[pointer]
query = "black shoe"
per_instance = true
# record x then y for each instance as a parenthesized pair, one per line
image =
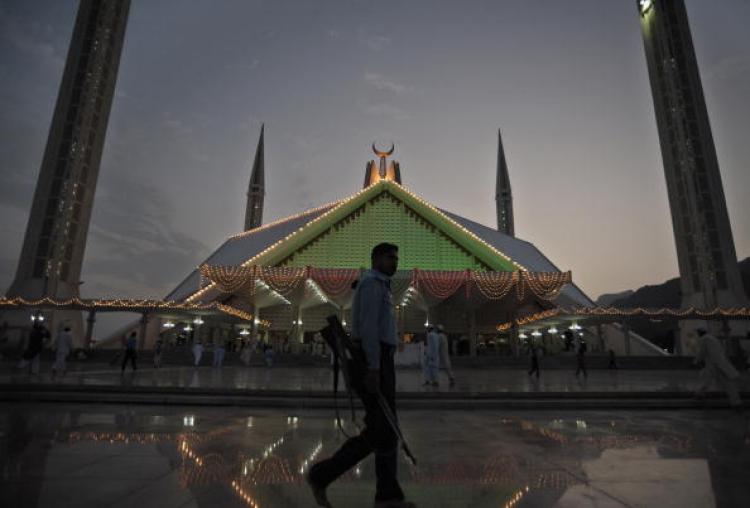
(318, 493)
(452, 382)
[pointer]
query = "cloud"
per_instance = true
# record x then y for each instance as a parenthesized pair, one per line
(134, 243)
(380, 82)
(372, 41)
(386, 109)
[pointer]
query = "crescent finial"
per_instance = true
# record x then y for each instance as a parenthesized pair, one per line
(381, 153)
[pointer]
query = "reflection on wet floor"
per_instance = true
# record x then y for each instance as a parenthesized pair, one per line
(408, 380)
(144, 456)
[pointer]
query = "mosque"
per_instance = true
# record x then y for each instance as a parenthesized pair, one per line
(288, 275)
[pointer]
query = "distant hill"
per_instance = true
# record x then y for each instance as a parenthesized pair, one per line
(607, 299)
(666, 294)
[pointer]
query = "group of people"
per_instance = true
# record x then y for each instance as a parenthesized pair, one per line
(220, 349)
(437, 355)
(581, 368)
(63, 344)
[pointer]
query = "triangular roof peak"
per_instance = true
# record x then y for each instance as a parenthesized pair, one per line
(488, 255)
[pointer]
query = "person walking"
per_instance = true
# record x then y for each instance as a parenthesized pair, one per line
(63, 345)
(197, 353)
(534, 356)
(445, 355)
(716, 369)
(432, 357)
(131, 344)
(612, 360)
(158, 348)
(247, 352)
(32, 355)
(373, 324)
(220, 350)
(581, 360)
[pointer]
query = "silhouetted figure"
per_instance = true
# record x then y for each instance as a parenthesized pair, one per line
(432, 357)
(63, 345)
(197, 353)
(268, 355)
(581, 360)
(445, 356)
(158, 349)
(373, 323)
(247, 352)
(534, 356)
(219, 352)
(612, 359)
(131, 353)
(31, 356)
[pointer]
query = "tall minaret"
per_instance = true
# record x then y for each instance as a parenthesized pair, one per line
(503, 195)
(257, 188)
(53, 247)
(707, 260)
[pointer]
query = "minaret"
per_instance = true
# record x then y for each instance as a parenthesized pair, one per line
(55, 239)
(257, 188)
(707, 260)
(503, 195)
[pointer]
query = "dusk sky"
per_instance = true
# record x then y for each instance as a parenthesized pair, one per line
(566, 81)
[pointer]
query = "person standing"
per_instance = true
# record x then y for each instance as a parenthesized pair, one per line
(432, 357)
(197, 353)
(716, 368)
(131, 345)
(581, 360)
(219, 352)
(32, 354)
(158, 348)
(445, 355)
(373, 323)
(612, 360)
(63, 345)
(534, 356)
(247, 351)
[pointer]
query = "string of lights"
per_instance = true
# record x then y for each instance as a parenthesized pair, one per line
(614, 313)
(334, 281)
(440, 284)
(342, 206)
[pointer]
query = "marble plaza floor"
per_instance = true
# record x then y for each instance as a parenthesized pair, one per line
(319, 379)
(55, 455)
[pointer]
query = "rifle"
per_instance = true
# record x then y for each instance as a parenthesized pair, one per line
(351, 359)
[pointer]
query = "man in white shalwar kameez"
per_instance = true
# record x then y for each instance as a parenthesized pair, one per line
(63, 345)
(717, 368)
(445, 355)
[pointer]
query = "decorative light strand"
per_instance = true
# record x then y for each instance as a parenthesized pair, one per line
(374, 189)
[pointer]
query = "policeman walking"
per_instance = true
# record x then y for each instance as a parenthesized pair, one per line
(374, 324)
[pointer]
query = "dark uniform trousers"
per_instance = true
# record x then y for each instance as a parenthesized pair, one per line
(377, 436)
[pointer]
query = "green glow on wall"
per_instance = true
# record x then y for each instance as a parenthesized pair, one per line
(393, 217)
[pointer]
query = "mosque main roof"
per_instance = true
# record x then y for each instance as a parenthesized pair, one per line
(458, 243)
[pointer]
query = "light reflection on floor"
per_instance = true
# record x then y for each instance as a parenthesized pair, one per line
(99, 455)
